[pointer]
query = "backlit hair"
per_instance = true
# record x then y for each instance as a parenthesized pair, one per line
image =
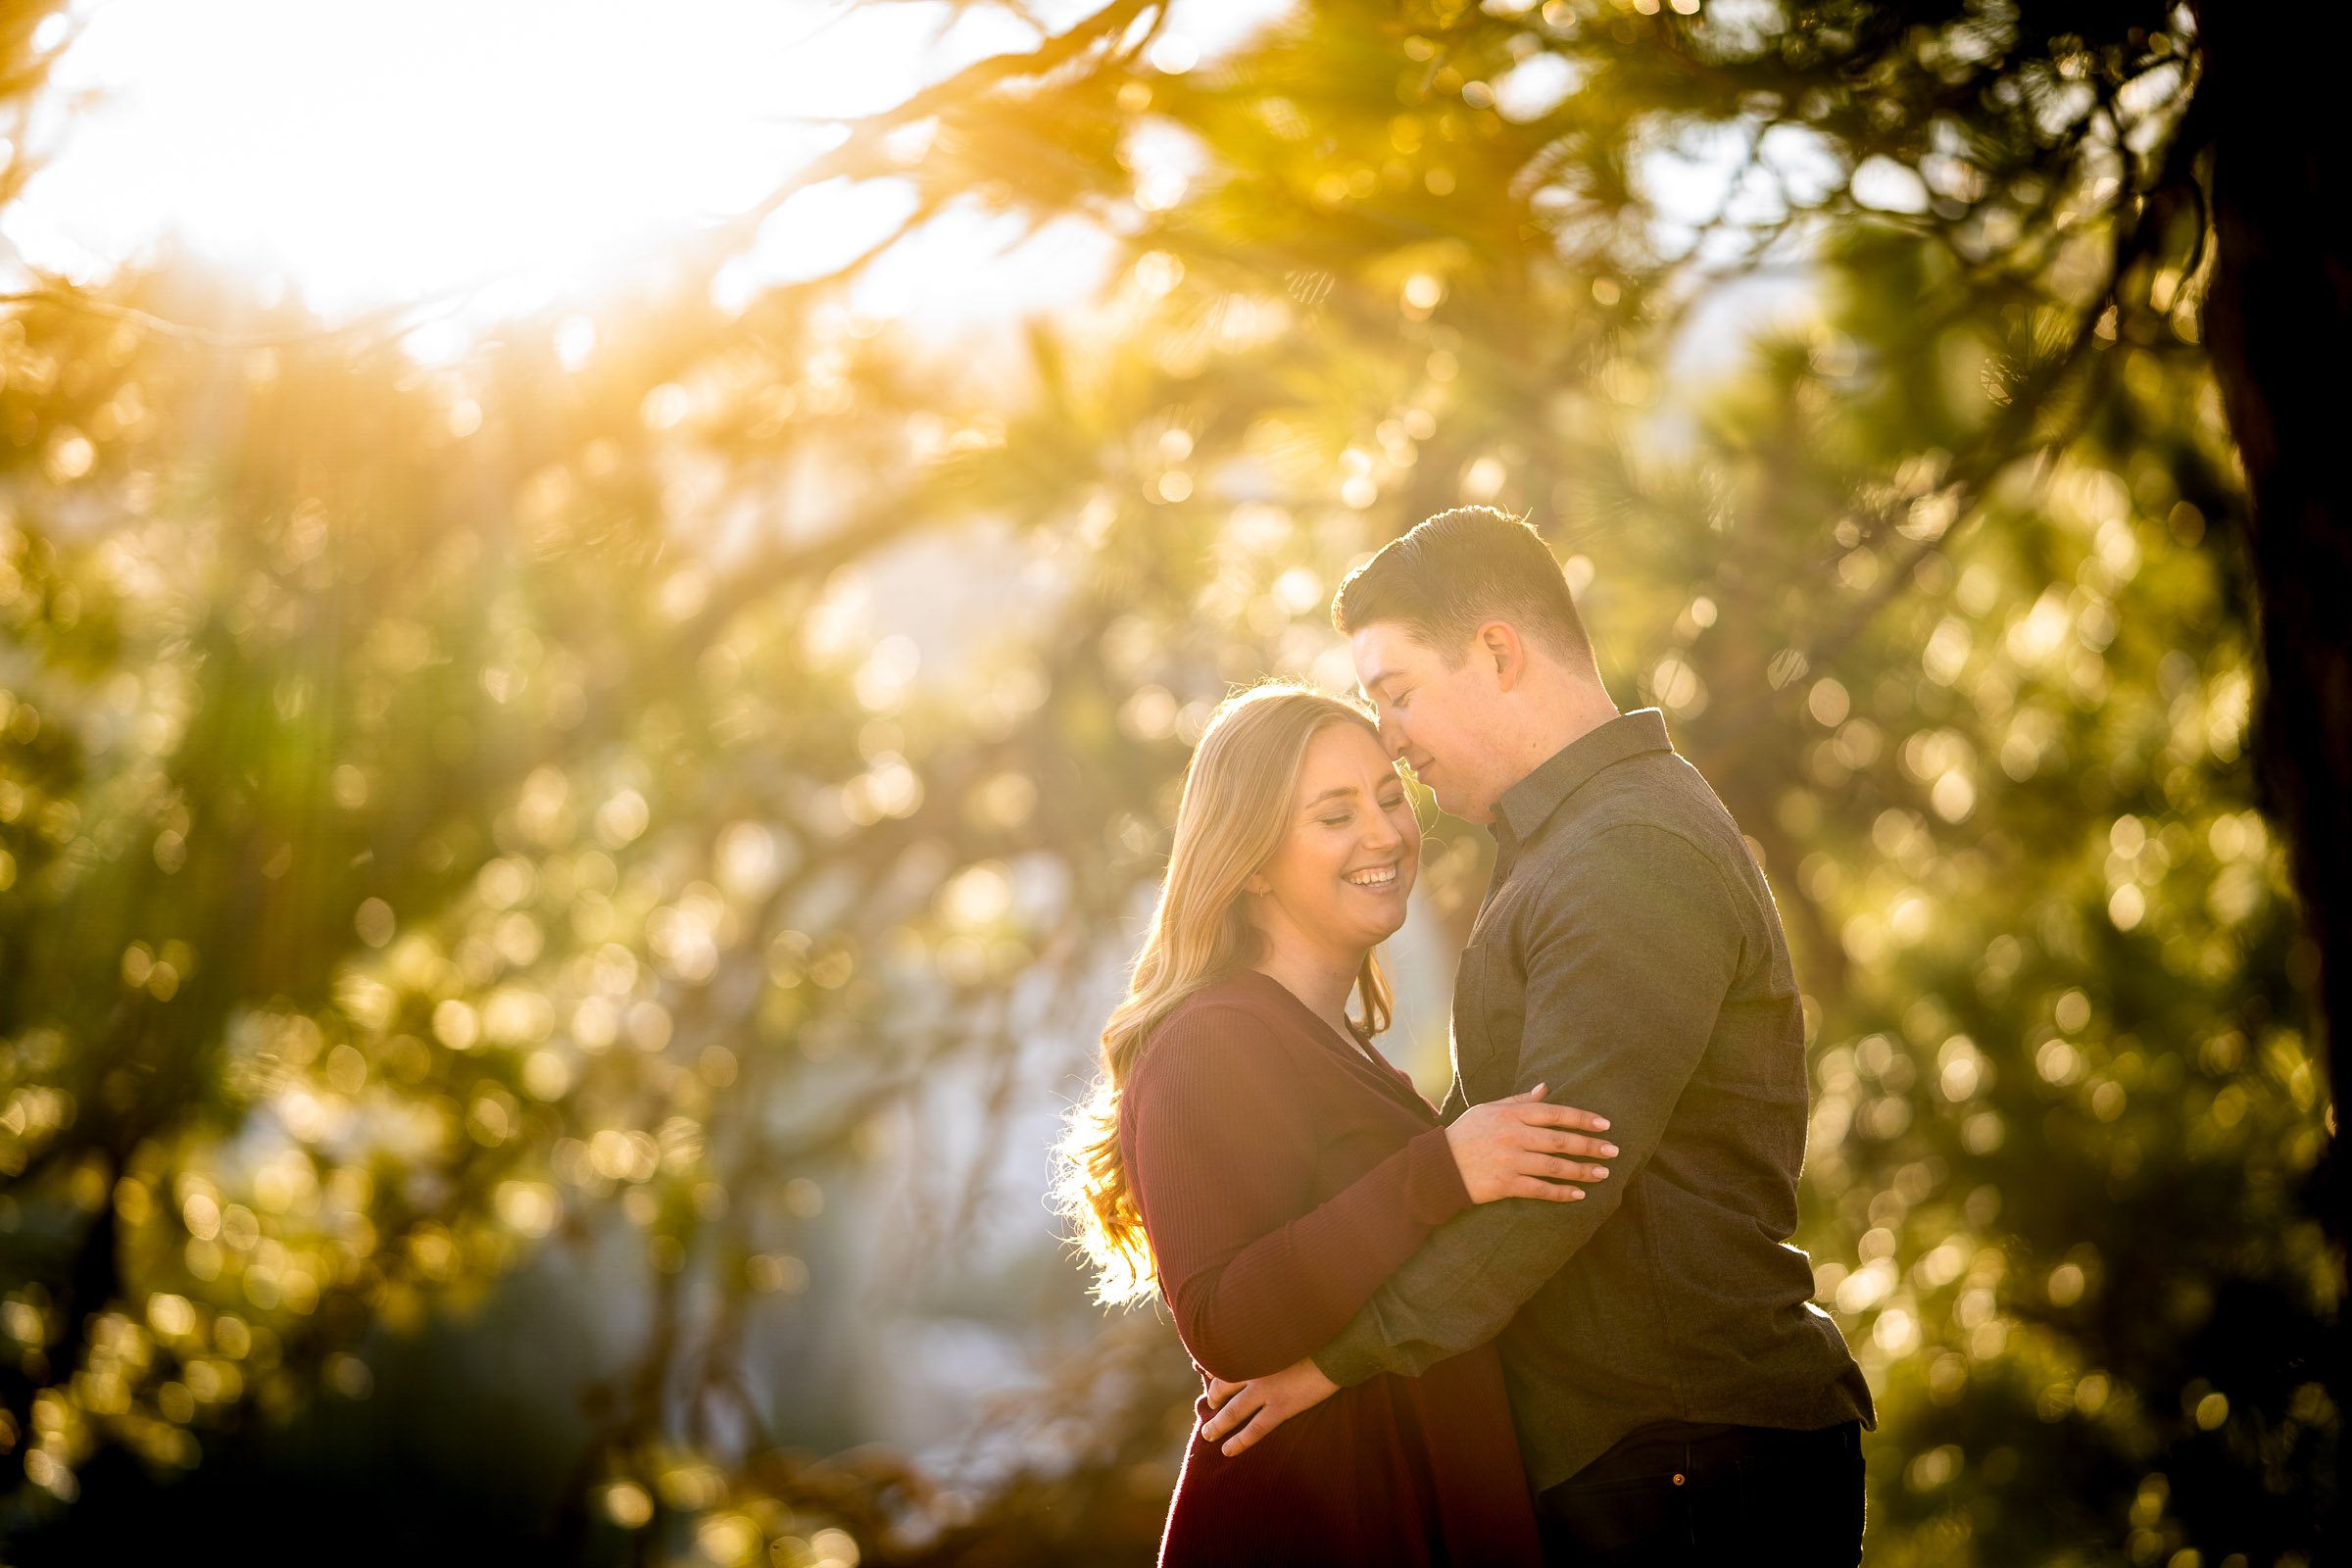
(1233, 818)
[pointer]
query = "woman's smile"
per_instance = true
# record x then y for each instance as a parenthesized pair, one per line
(1351, 823)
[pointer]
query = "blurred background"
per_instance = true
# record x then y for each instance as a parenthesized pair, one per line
(602, 604)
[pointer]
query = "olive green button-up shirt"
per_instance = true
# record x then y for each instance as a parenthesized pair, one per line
(1628, 955)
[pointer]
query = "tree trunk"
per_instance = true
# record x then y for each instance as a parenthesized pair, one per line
(2279, 322)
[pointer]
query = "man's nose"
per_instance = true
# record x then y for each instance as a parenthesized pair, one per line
(1392, 736)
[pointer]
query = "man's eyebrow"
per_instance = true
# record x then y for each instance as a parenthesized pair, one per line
(1367, 687)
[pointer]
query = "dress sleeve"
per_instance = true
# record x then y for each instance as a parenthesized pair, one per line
(1221, 1141)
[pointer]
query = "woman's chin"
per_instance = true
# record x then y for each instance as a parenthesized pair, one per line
(1359, 936)
(1368, 918)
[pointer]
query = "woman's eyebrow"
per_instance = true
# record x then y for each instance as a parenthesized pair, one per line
(1330, 794)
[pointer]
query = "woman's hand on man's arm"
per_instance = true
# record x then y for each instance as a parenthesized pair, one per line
(1518, 1146)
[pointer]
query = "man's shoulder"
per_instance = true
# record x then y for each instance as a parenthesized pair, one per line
(1639, 802)
(1648, 826)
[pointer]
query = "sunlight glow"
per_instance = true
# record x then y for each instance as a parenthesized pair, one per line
(367, 151)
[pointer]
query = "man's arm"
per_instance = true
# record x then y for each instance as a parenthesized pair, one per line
(1632, 952)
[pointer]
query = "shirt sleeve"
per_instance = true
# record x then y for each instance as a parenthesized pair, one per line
(1631, 955)
(1221, 1144)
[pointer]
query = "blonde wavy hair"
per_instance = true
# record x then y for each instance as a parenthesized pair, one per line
(1233, 817)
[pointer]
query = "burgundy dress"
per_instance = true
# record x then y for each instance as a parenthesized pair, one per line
(1282, 1175)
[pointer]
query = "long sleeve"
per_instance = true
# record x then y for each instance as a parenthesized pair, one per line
(1222, 1143)
(1628, 961)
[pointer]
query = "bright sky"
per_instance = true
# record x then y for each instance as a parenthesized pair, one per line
(361, 152)
(510, 156)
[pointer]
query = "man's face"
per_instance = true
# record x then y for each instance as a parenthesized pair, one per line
(1439, 722)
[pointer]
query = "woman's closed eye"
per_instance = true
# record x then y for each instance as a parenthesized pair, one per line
(1346, 817)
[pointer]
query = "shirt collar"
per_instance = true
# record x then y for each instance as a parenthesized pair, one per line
(1527, 804)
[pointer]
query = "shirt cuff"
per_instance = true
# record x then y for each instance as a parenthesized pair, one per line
(1347, 1361)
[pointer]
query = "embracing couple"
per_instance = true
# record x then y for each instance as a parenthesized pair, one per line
(1558, 1321)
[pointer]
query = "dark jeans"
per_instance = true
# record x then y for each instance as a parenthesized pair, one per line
(1670, 1496)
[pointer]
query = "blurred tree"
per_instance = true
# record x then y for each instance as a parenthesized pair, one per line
(448, 813)
(2277, 311)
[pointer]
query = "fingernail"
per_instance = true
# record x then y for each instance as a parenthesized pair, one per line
(1607, 1149)
(1575, 1192)
(1600, 1124)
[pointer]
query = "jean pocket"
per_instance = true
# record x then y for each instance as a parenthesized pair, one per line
(1605, 1516)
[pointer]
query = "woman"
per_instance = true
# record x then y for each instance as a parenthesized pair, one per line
(1248, 1155)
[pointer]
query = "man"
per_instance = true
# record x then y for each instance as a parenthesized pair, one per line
(1677, 1396)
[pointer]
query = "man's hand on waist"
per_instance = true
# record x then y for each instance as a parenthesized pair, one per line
(1245, 1413)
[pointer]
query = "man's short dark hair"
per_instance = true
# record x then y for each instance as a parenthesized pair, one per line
(1460, 570)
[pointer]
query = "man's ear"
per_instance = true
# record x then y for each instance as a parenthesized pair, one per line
(1498, 641)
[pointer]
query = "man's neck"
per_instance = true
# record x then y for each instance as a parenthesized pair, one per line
(1576, 710)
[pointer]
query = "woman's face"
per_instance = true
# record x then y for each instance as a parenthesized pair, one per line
(1348, 851)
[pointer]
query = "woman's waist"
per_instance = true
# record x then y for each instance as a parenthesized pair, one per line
(1327, 1437)
(1372, 1456)
(1456, 1397)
